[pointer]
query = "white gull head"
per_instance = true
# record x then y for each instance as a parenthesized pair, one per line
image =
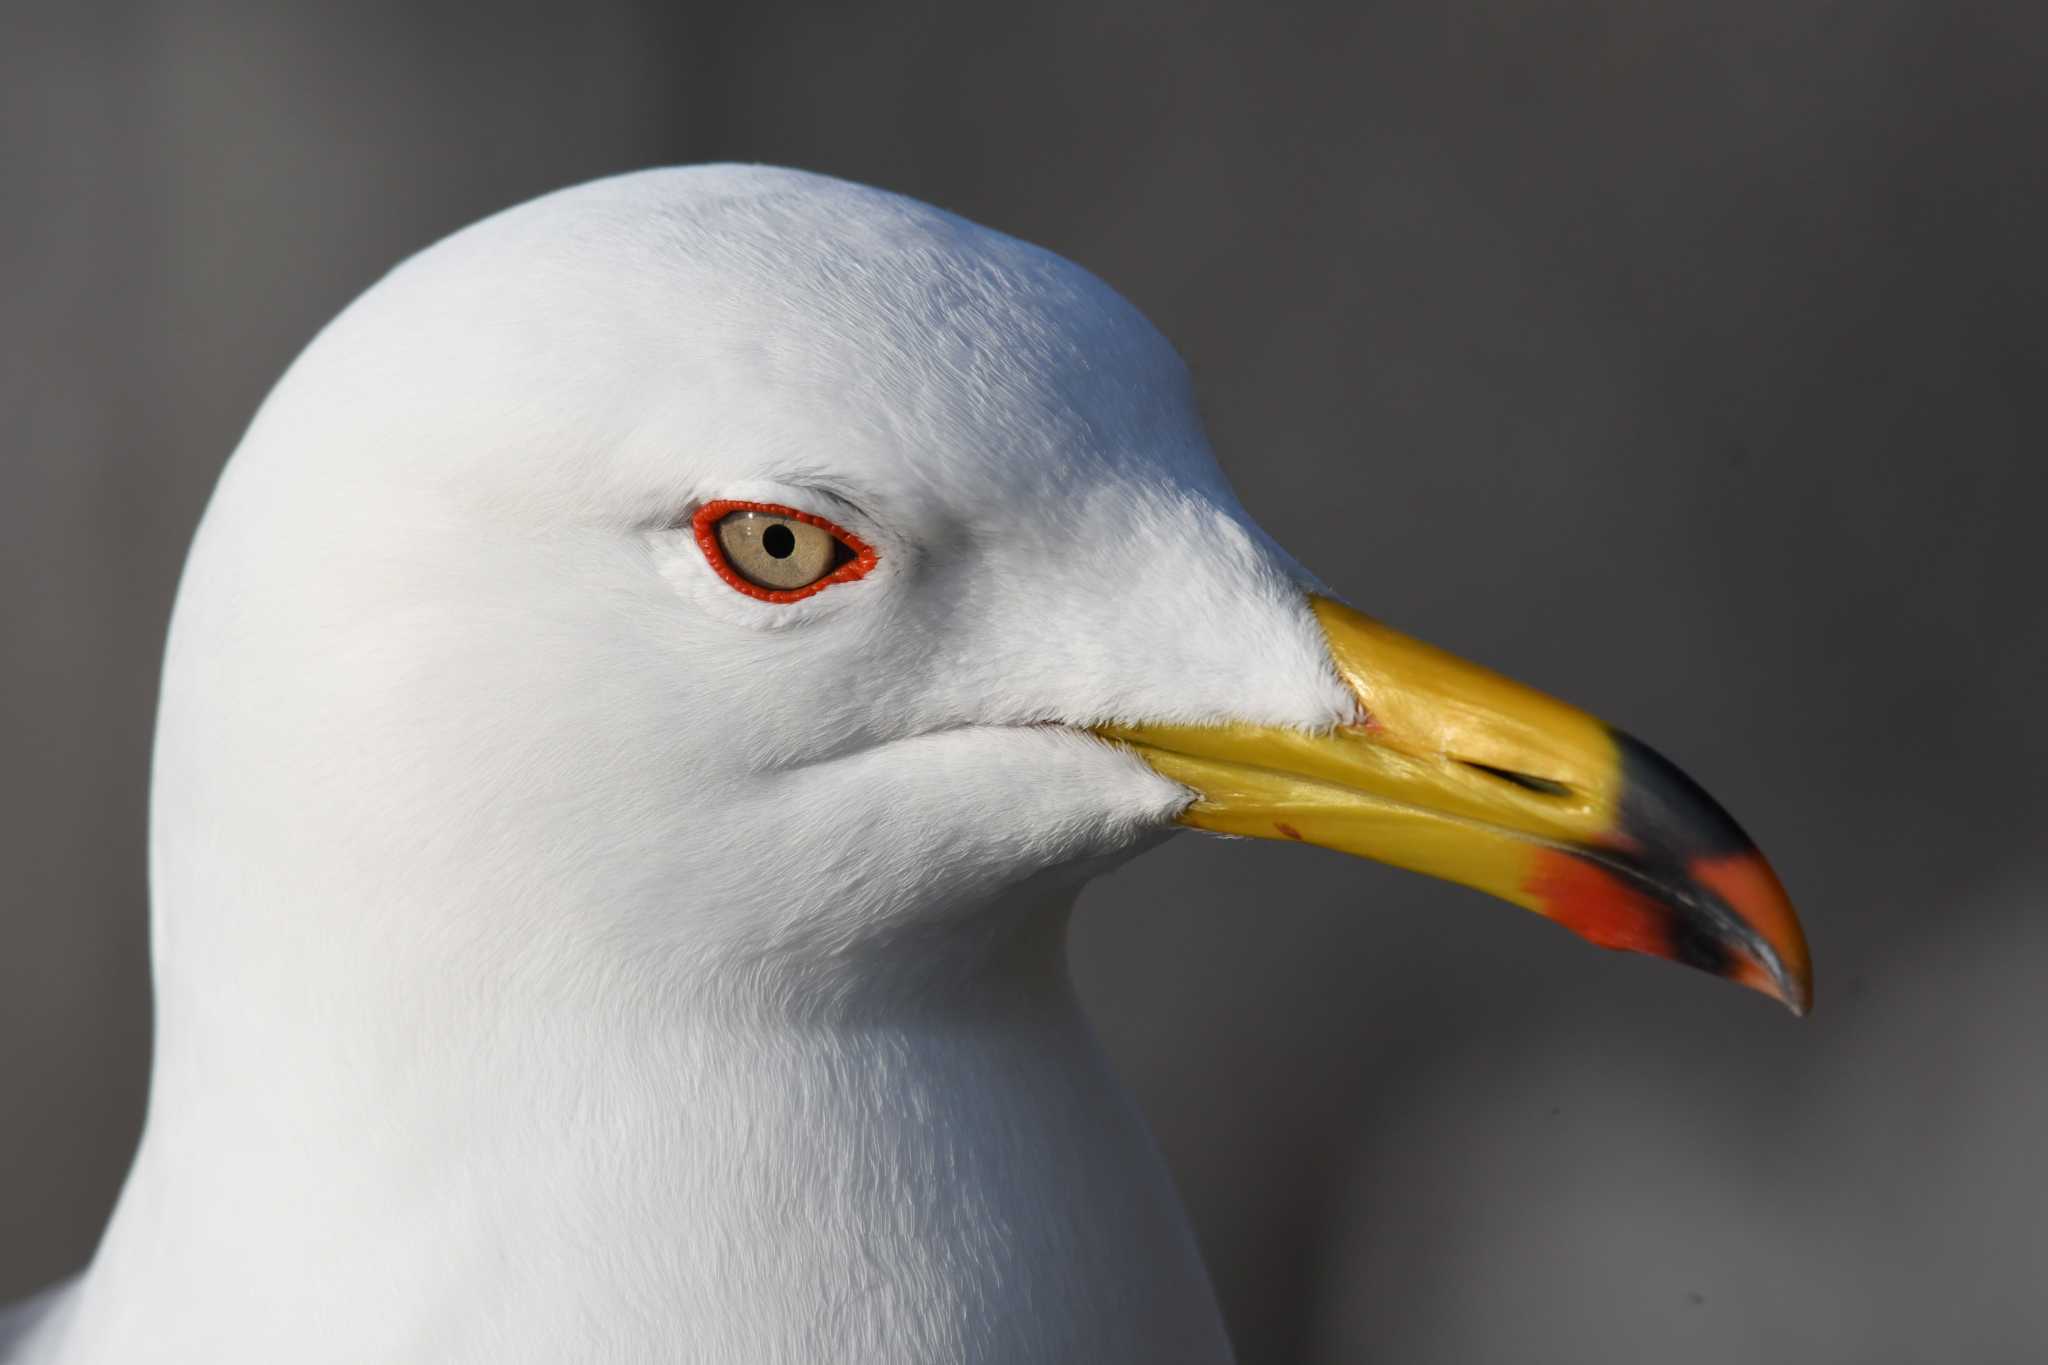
(643, 698)
(561, 952)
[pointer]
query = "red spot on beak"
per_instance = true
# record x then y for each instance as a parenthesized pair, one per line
(1597, 905)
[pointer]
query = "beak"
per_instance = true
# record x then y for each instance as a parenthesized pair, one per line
(1454, 771)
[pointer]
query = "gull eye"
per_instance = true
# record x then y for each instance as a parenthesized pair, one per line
(777, 554)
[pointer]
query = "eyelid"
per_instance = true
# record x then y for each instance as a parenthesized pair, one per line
(704, 526)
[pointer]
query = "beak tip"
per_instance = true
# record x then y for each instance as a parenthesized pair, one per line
(1777, 952)
(1795, 993)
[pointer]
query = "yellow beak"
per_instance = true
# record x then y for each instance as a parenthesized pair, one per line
(1457, 772)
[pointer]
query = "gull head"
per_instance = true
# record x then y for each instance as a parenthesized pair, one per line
(735, 582)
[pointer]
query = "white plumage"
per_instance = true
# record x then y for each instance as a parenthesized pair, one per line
(561, 956)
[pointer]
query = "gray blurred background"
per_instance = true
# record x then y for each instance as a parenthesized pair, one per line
(1683, 358)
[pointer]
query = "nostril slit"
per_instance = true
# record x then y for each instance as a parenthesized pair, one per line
(1543, 786)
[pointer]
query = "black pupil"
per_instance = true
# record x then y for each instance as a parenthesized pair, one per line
(779, 541)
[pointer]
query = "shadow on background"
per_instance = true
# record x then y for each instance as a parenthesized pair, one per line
(1684, 359)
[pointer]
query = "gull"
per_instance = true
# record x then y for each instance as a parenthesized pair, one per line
(640, 705)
